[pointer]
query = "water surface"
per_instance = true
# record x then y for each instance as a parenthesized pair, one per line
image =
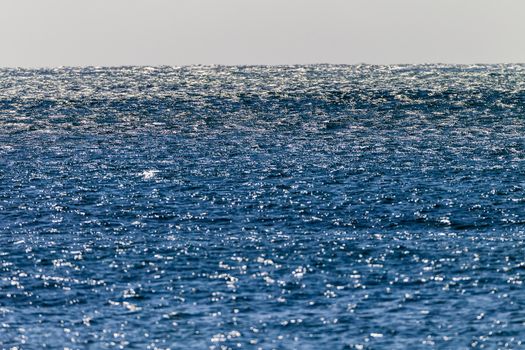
(297, 207)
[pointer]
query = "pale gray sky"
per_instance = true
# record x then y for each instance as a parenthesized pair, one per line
(36, 33)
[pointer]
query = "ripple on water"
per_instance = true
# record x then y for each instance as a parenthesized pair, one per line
(351, 207)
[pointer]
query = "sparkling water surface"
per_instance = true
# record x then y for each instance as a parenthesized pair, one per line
(294, 207)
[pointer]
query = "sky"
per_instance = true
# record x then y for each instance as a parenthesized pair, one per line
(48, 33)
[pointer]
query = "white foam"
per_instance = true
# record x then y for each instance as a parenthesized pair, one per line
(149, 174)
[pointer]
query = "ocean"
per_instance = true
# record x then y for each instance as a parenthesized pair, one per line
(253, 207)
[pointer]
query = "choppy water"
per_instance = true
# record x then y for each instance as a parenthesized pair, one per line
(315, 207)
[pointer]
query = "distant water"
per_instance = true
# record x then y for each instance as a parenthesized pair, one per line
(300, 207)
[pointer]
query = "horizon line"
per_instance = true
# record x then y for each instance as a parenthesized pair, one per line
(260, 65)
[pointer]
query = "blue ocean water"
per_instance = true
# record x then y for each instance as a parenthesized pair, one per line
(294, 207)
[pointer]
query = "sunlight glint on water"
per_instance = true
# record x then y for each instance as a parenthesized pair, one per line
(301, 207)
